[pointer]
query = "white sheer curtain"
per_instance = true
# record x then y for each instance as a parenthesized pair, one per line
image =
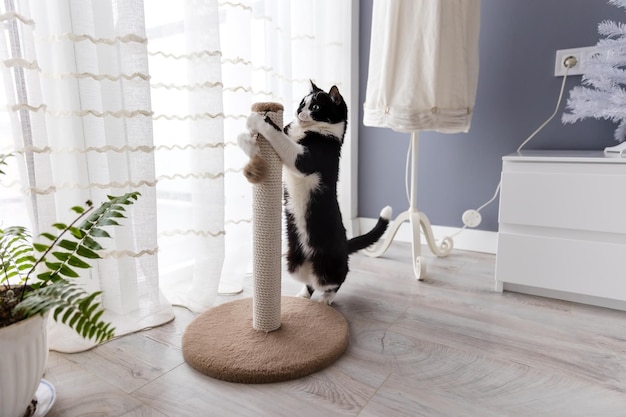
(76, 74)
(209, 62)
(105, 96)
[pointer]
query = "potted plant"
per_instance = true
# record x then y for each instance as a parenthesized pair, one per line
(37, 280)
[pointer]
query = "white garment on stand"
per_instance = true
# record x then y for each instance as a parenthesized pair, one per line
(423, 67)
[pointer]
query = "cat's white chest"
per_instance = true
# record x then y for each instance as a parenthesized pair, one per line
(300, 187)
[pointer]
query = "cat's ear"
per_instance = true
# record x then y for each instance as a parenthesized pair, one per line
(334, 95)
(314, 88)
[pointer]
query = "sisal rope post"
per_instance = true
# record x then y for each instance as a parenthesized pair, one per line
(267, 230)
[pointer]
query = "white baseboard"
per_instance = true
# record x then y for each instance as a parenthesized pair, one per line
(468, 239)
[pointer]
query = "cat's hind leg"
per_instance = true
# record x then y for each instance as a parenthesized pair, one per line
(328, 296)
(329, 273)
(303, 274)
(306, 292)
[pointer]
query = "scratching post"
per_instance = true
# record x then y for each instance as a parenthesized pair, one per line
(266, 227)
(269, 338)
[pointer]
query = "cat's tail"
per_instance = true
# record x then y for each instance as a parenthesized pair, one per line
(361, 242)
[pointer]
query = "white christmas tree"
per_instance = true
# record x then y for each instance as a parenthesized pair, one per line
(602, 95)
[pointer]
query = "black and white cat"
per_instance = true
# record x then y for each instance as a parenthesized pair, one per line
(310, 148)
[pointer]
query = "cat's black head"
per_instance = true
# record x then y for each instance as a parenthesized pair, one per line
(322, 107)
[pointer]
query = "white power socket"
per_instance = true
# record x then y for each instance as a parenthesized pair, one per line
(581, 57)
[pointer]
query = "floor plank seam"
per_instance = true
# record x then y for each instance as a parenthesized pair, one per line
(182, 363)
(374, 394)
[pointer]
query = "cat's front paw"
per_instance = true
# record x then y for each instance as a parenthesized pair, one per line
(256, 123)
(247, 142)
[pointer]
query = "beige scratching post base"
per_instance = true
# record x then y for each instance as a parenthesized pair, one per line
(266, 338)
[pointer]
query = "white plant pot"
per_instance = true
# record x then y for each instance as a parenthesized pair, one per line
(23, 356)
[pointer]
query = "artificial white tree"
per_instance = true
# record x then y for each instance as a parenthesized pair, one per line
(602, 95)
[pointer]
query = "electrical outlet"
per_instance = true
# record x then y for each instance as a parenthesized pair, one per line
(580, 55)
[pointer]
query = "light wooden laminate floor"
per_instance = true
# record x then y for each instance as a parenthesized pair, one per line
(446, 346)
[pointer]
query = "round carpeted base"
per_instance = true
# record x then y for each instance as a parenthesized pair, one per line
(222, 343)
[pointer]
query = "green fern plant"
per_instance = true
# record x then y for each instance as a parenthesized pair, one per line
(37, 277)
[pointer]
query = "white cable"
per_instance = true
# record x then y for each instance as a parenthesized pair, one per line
(556, 110)
(406, 172)
(532, 135)
(492, 198)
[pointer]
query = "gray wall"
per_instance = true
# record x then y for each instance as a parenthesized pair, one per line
(517, 91)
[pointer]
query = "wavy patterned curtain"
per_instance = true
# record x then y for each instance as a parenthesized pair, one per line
(209, 62)
(104, 96)
(77, 81)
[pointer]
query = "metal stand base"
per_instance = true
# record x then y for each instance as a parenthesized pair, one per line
(418, 222)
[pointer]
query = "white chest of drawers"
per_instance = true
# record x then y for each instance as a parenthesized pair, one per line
(562, 226)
